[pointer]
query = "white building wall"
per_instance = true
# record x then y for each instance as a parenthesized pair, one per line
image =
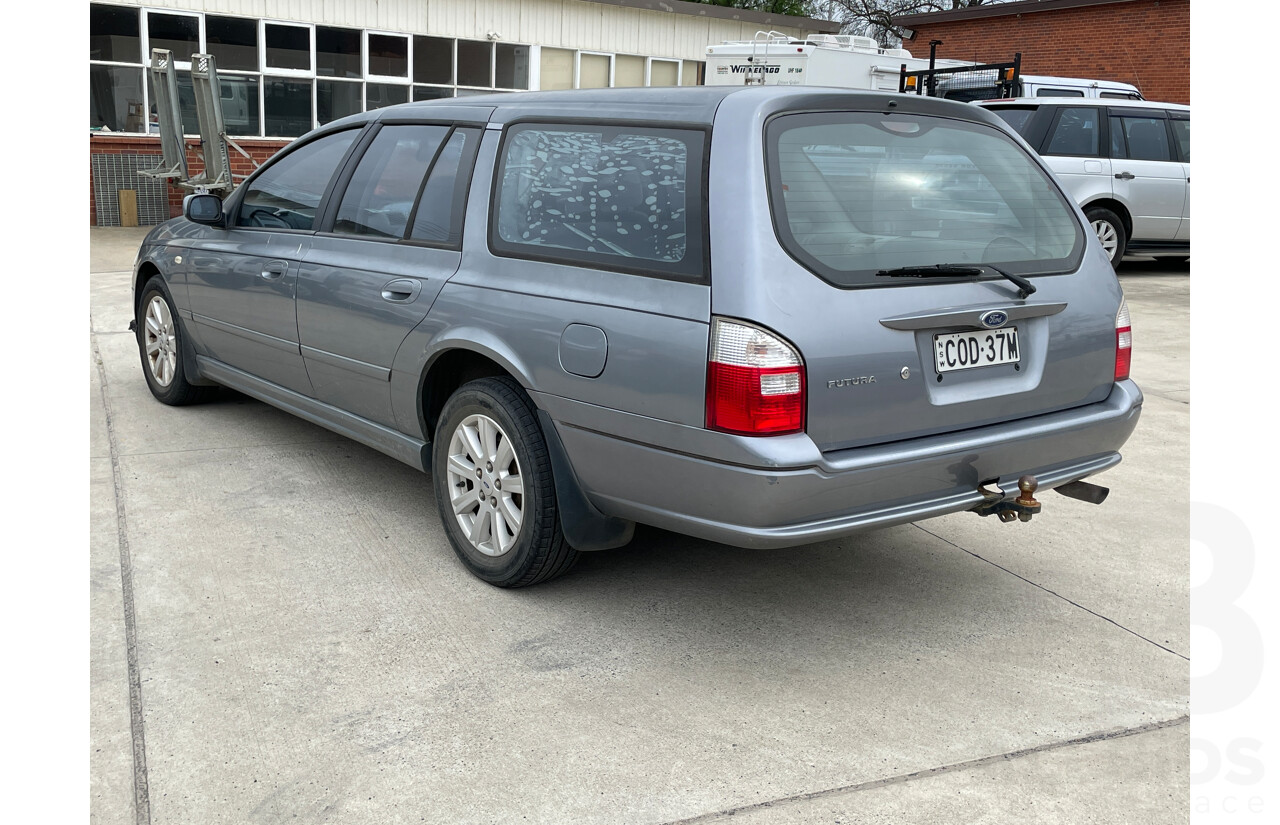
(567, 24)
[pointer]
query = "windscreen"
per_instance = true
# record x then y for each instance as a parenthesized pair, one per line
(857, 193)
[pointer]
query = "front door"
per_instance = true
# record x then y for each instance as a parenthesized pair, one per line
(242, 284)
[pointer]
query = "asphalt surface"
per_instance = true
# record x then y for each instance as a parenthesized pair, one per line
(280, 632)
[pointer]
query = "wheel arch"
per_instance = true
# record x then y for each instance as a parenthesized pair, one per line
(459, 362)
(1114, 206)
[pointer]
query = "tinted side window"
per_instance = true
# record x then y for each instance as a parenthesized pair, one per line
(1017, 118)
(286, 194)
(385, 185)
(443, 201)
(624, 197)
(1145, 138)
(1120, 96)
(1059, 93)
(1182, 136)
(1075, 132)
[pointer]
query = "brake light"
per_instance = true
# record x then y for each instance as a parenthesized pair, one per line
(1124, 341)
(755, 381)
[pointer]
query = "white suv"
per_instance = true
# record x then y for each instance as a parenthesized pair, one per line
(1126, 163)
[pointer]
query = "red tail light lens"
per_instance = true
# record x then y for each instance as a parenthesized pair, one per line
(755, 382)
(1124, 341)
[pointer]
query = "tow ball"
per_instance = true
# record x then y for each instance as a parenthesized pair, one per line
(1021, 508)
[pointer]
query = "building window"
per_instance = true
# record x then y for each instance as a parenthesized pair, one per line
(115, 99)
(113, 34)
(475, 63)
(338, 98)
(511, 66)
(233, 42)
(179, 33)
(288, 47)
(286, 106)
(433, 60)
(280, 79)
(388, 55)
(338, 52)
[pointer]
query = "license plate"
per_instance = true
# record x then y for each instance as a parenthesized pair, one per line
(966, 350)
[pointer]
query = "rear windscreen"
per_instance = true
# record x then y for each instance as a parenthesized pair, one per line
(857, 193)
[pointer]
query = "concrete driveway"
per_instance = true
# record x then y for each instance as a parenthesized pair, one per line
(280, 632)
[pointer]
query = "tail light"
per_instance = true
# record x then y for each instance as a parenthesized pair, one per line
(1124, 341)
(755, 381)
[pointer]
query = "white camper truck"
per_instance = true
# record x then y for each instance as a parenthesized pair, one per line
(853, 62)
(846, 61)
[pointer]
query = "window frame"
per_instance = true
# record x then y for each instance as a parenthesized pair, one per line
(145, 34)
(577, 67)
(323, 208)
(648, 71)
(327, 213)
(1174, 143)
(265, 70)
(395, 80)
(695, 268)
(1122, 112)
(1101, 120)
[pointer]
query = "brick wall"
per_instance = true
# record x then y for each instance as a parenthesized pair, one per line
(104, 144)
(1144, 42)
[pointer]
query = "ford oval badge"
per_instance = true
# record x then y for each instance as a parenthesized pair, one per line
(994, 318)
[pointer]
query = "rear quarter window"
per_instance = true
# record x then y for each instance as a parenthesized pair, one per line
(626, 198)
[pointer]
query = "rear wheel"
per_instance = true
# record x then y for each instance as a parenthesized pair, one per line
(494, 487)
(160, 345)
(1110, 230)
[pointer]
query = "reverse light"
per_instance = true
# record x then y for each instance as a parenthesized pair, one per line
(1124, 341)
(755, 381)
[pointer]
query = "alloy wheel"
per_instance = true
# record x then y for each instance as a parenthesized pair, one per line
(160, 341)
(1109, 237)
(486, 490)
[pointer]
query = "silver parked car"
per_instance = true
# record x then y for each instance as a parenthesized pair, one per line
(1126, 163)
(764, 316)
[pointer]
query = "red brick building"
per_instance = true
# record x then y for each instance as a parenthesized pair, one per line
(1143, 42)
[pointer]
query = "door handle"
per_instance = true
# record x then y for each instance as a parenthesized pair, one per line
(401, 290)
(1124, 176)
(274, 270)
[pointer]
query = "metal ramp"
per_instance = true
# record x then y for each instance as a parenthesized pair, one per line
(164, 84)
(214, 144)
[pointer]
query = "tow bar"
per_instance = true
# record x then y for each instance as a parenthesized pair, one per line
(1025, 505)
(1021, 508)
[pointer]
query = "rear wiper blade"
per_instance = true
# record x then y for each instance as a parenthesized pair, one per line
(1025, 287)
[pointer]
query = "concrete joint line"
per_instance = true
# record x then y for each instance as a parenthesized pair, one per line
(1100, 736)
(1056, 594)
(141, 793)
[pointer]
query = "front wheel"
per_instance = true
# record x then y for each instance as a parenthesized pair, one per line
(494, 486)
(1110, 231)
(160, 345)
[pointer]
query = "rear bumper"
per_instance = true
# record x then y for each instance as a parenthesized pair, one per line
(769, 504)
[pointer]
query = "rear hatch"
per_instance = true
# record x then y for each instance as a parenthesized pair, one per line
(863, 206)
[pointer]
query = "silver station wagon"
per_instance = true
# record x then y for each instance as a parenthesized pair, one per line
(764, 316)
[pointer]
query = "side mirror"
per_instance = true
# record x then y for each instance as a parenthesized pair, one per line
(203, 208)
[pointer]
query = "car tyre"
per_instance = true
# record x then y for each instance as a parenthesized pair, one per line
(160, 346)
(1110, 231)
(494, 487)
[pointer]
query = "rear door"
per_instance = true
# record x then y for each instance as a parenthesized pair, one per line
(390, 243)
(1074, 150)
(1149, 179)
(888, 356)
